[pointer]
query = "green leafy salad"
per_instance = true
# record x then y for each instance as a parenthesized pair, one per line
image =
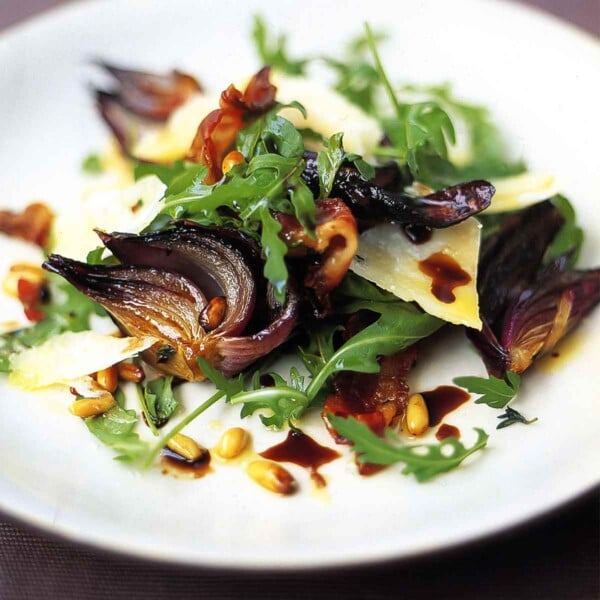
(342, 226)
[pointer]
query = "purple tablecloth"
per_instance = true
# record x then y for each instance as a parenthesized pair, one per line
(555, 557)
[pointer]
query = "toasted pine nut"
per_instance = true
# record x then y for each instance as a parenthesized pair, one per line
(271, 476)
(232, 443)
(89, 407)
(417, 415)
(108, 378)
(186, 446)
(130, 372)
(213, 313)
(232, 159)
(29, 272)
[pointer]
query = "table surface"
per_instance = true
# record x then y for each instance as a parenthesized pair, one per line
(556, 556)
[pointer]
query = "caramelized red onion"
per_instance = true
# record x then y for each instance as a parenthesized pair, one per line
(141, 100)
(165, 282)
(545, 313)
(370, 201)
(527, 308)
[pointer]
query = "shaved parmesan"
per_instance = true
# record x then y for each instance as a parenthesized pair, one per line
(513, 193)
(70, 356)
(388, 258)
(126, 209)
(327, 113)
(173, 141)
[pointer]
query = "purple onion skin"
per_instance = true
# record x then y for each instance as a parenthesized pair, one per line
(219, 261)
(141, 101)
(369, 201)
(165, 282)
(511, 258)
(526, 308)
(150, 95)
(544, 314)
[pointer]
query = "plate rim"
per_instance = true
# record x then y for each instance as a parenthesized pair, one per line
(38, 523)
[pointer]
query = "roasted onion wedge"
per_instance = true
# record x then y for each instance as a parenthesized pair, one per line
(140, 101)
(369, 201)
(166, 284)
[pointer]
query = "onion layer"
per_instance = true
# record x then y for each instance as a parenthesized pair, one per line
(165, 283)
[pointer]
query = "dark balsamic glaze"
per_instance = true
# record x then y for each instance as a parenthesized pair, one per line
(179, 466)
(446, 431)
(417, 234)
(442, 400)
(300, 449)
(446, 274)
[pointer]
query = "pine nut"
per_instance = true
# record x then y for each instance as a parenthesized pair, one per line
(232, 443)
(417, 415)
(271, 476)
(90, 407)
(186, 447)
(232, 159)
(108, 379)
(213, 313)
(130, 372)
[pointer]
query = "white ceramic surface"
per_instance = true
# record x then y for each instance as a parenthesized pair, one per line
(539, 76)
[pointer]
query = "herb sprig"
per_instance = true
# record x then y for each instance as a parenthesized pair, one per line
(424, 461)
(494, 392)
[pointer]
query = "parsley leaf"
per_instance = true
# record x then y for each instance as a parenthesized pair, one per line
(424, 461)
(115, 429)
(494, 392)
(512, 416)
(159, 400)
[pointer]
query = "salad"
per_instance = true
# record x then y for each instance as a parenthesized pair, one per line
(344, 227)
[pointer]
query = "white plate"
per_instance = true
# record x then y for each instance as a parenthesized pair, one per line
(540, 78)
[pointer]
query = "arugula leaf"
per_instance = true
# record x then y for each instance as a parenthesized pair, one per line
(328, 163)
(494, 392)
(418, 129)
(230, 387)
(356, 78)
(159, 400)
(69, 310)
(512, 416)
(320, 348)
(287, 403)
(424, 461)
(92, 164)
(569, 239)
(252, 192)
(274, 249)
(115, 429)
(399, 326)
(274, 51)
